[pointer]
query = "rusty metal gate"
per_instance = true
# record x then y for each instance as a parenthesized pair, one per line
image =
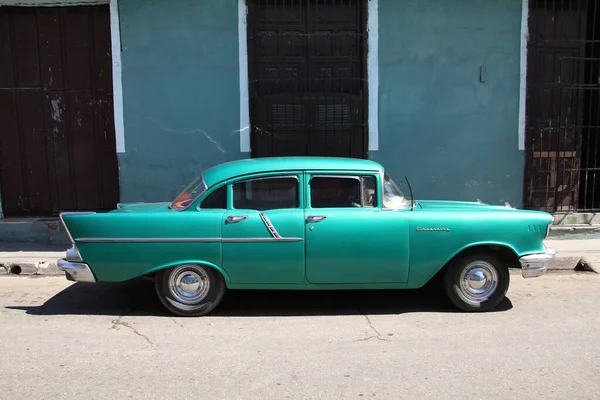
(57, 138)
(307, 77)
(563, 106)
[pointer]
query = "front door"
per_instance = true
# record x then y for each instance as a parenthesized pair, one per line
(263, 231)
(348, 238)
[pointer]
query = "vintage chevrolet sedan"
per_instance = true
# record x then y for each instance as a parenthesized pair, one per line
(306, 223)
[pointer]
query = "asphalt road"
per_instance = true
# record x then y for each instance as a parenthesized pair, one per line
(65, 340)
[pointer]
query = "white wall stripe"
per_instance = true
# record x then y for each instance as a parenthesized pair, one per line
(115, 37)
(373, 72)
(523, 80)
(243, 66)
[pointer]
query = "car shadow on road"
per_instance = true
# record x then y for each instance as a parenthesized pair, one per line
(137, 297)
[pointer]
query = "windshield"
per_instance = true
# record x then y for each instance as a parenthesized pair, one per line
(191, 193)
(392, 195)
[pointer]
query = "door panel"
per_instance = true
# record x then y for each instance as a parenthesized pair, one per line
(307, 77)
(56, 111)
(251, 253)
(357, 245)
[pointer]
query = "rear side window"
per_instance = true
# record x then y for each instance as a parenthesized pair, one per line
(266, 194)
(217, 199)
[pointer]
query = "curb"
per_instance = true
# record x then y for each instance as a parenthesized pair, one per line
(31, 268)
(46, 268)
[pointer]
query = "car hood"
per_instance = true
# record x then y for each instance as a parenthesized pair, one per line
(462, 205)
(142, 207)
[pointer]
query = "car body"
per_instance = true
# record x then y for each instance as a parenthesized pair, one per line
(305, 223)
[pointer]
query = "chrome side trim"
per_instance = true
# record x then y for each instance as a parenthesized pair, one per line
(270, 226)
(79, 272)
(62, 214)
(260, 240)
(189, 240)
(119, 205)
(147, 240)
(534, 265)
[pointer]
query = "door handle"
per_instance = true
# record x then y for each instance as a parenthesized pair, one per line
(315, 218)
(236, 218)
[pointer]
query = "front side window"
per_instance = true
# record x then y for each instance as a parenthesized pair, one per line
(328, 192)
(191, 193)
(266, 193)
(343, 191)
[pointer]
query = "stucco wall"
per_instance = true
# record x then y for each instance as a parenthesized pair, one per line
(180, 92)
(454, 136)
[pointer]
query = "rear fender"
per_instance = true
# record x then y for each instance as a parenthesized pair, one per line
(190, 261)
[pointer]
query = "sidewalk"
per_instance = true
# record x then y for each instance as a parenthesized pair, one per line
(39, 259)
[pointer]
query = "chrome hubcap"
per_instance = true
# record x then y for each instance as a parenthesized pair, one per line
(189, 284)
(478, 281)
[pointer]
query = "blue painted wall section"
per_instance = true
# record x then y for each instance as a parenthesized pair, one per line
(180, 91)
(454, 136)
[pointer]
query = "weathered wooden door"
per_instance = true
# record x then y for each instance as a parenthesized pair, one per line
(556, 102)
(307, 77)
(57, 137)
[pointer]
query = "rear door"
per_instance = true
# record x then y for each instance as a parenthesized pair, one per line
(349, 238)
(263, 230)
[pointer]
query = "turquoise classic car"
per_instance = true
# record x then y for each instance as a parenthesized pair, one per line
(306, 223)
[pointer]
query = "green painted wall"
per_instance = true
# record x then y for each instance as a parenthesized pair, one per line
(180, 91)
(454, 136)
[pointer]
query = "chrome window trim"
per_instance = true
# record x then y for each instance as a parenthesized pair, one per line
(357, 177)
(262, 178)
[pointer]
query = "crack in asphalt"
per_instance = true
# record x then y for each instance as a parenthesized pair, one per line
(377, 334)
(118, 322)
(176, 323)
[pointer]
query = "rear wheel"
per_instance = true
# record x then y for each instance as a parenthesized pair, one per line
(190, 290)
(477, 282)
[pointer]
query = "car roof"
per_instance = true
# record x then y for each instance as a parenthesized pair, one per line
(232, 169)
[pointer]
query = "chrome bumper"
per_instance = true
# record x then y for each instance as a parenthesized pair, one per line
(76, 271)
(534, 265)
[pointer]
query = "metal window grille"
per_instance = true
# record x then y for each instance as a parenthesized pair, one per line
(307, 77)
(563, 106)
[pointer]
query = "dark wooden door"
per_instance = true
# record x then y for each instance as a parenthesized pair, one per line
(307, 77)
(555, 103)
(57, 138)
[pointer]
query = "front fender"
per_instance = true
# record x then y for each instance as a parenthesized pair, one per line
(419, 278)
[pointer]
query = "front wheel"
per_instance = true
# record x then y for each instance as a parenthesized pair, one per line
(190, 290)
(477, 282)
